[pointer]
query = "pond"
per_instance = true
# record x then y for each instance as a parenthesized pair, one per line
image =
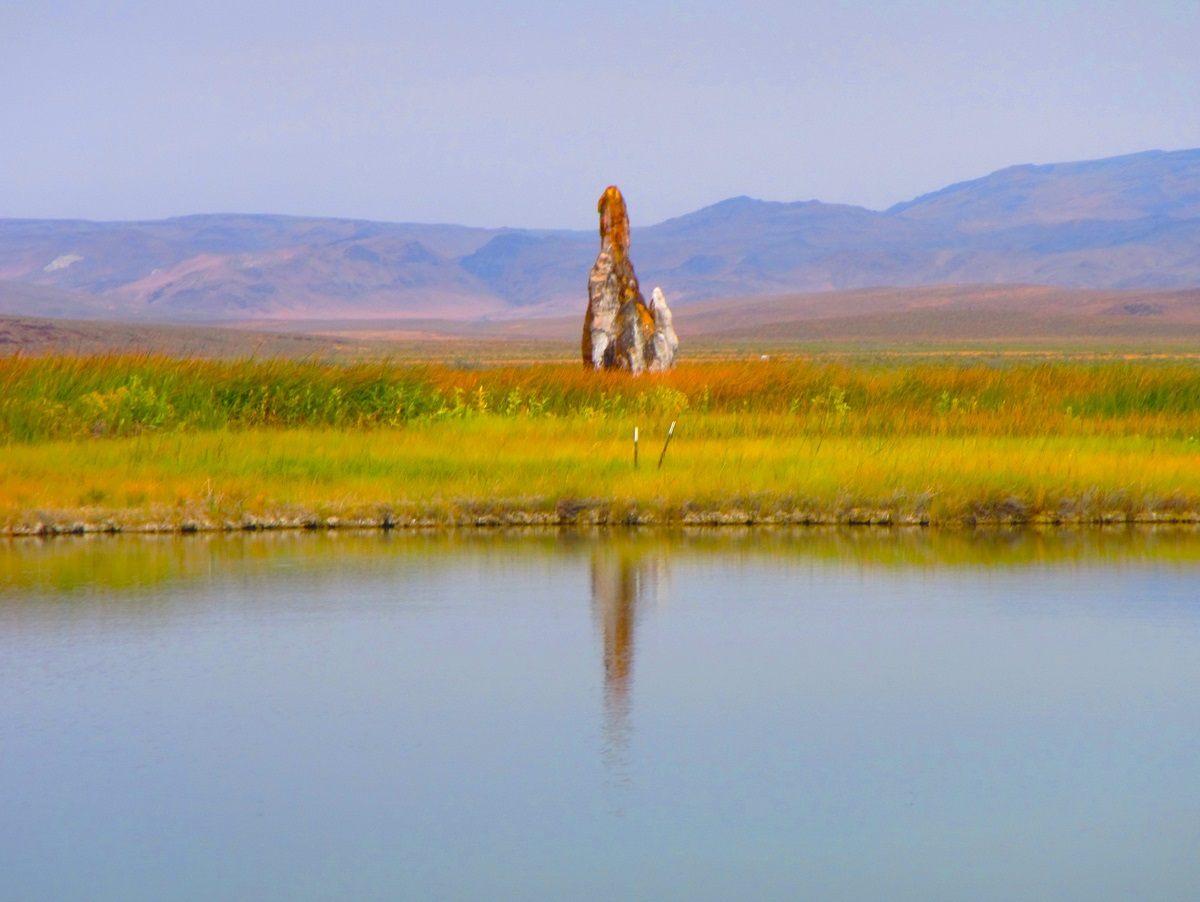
(718, 714)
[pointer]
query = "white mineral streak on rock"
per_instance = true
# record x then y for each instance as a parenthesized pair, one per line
(632, 340)
(603, 306)
(666, 342)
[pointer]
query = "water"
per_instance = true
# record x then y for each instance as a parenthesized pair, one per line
(734, 715)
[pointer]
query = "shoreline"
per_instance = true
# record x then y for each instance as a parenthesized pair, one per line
(576, 515)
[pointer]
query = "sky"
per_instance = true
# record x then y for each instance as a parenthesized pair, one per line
(520, 113)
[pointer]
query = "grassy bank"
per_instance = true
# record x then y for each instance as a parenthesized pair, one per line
(123, 441)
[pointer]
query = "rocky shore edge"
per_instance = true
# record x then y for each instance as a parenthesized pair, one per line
(576, 513)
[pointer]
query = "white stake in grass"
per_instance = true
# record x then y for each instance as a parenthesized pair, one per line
(635, 438)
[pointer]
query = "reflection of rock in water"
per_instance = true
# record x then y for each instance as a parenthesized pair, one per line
(623, 582)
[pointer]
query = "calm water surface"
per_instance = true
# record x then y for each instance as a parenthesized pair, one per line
(863, 715)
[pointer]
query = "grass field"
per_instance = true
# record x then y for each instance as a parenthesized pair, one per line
(121, 441)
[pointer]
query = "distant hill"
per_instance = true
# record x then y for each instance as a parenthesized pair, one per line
(1123, 222)
(39, 335)
(206, 268)
(1022, 315)
(46, 300)
(1152, 185)
(1017, 316)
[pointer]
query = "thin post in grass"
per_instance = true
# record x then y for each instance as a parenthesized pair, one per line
(635, 438)
(670, 432)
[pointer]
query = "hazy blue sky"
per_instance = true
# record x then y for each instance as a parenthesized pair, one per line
(519, 113)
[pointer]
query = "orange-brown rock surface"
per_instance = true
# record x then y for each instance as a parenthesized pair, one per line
(620, 331)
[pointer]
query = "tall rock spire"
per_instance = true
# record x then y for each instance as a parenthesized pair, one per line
(620, 331)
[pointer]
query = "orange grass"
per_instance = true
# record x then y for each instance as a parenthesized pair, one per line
(62, 397)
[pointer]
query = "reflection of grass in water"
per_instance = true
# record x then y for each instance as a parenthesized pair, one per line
(131, 565)
(906, 547)
(89, 563)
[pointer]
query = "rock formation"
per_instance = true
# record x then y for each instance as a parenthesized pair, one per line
(620, 331)
(665, 341)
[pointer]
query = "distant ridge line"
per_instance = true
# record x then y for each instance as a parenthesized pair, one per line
(1125, 222)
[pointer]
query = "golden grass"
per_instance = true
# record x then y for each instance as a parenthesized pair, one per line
(491, 465)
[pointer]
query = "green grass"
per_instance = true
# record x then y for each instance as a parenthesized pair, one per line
(109, 396)
(149, 439)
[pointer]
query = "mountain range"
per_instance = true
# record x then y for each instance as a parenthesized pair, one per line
(1129, 222)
